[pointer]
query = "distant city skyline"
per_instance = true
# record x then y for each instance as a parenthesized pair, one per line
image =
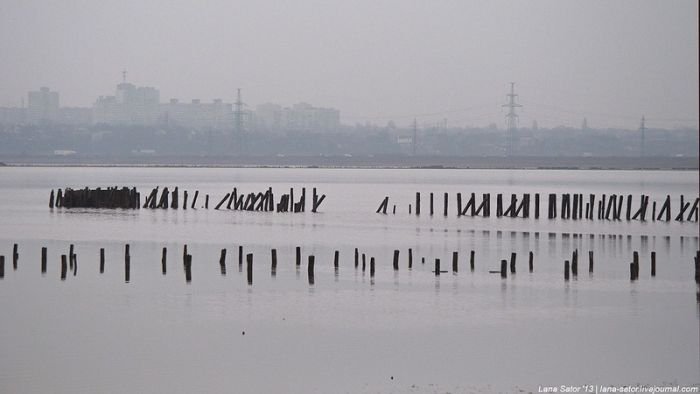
(608, 62)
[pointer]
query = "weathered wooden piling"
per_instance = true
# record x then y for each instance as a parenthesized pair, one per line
(310, 269)
(15, 257)
(590, 261)
(530, 261)
(410, 258)
(2, 267)
(537, 205)
(566, 270)
(459, 204)
(249, 268)
(206, 201)
(574, 263)
(194, 199)
(431, 204)
(383, 205)
(51, 197)
(240, 258)
(437, 267)
(164, 261)
(223, 200)
(371, 267)
(396, 260)
(364, 261)
(634, 274)
(471, 261)
(184, 199)
(455, 256)
(357, 258)
(273, 262)
(336, 258)
(499, 205)
(504, 268)
(316, 201)
(653, 263)
(188, 268)
(64, 265)
(512, 262)
(417, 204)
(222, 261)
(71, 248)
(75, 264)
(445, 202)
(44, 252)
(127, 264)
(298, 253)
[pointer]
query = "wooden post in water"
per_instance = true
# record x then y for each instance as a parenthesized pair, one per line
(504, 268)
(164, 261)
(127, 268)
(240, 258)
(336, 258)
(431, 204)
(653, 264)
(188, 268)
(566, 270)
(64, 265)
(310, 269)
(222, 261)
(371, 267)
(194, 199)
(396, 260)
(43, 260)
(364, 260)
(206, 201)
(537, 205)
(357, 258)
(298, 251)
(249, 268)
(574, 263)
(273, 267)
(590, 261)
(184, 199)
(2, 268)
(51, 200)
(417, 203)
(71, 247)
(471, 261)
(446, 198)
(512, 262)
(15, 257)
(530, 262)
(455, 256)
(410, 258)
(437, 267)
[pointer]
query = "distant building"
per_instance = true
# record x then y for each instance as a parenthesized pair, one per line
(300, 117)
(217, 114)
(42, 106)
(13, 115)
(74, 116)
(131, 105)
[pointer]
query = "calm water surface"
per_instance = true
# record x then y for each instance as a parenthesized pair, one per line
(347, 332)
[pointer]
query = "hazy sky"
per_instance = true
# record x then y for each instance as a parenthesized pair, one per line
(375, 60)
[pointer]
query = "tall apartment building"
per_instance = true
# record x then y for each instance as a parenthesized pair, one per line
(300, 117)
(42, 106)
(216, 115)
(131, 105)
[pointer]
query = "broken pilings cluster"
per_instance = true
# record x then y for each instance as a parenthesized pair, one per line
(111, 197)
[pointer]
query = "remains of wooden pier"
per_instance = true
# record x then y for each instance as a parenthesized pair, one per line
(567, 206)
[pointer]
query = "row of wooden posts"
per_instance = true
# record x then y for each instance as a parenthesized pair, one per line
(131, 199)
(69, 263)
(609, 207)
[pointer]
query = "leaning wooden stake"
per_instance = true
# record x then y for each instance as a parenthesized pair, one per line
(222, 261)
(164, 261)
(396, 260)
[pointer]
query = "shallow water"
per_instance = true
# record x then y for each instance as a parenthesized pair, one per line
(347, 332)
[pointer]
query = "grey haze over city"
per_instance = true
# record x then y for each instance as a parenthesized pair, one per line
(375, 61)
